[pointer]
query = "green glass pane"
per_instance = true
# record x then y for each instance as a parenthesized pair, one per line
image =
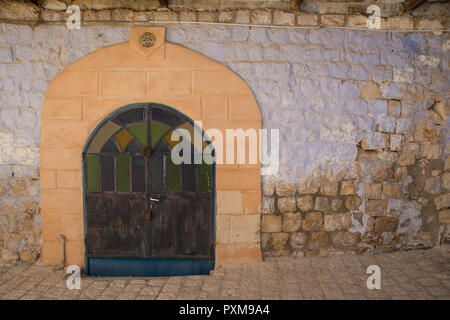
(139, 132)
(172, 176)
(123, 173)
(93, 173)
(158, 130)
(204, 177)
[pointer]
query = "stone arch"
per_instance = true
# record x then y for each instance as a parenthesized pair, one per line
(86, 92)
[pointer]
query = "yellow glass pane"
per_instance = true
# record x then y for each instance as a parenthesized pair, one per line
(191, 129)
(170, 142)
(123, 138)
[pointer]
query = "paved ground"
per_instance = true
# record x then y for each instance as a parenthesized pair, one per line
(421, 274)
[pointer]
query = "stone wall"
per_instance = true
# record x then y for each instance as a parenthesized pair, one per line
(362, 117)
(432, 15)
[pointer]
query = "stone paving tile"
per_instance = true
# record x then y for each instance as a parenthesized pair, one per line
(419, 274)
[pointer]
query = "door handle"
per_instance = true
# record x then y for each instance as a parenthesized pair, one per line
(153, 199)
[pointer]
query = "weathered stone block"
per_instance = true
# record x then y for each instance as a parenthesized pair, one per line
(297, 240)
(329, 188)
(403, 75)
(313, 221)
(9, 255)
(382, 73)
(373, 191)
(15, 10)
(266, 240)
(353, 202)
(345, 239)
(338, 221)
(6, 55)
(444, 216)
(394, 108)
(428, 23)
(318, 240)
(396, 142)
(271, 223)
(432, 185)
(305, 203)
(370, 91)
(279, 240)
(337, 204)
(392, 190)
(307, 19)
(374, 141)
(206, 16)
(394, 90)
(400, 23)
(407, 159)
(225, 16)
(267, 206)
(285, 189)
(287, 204)
(383, 172)
(431, 150)
(446, 180)
(358, 21)
(332, 20)
(30, 255)
(376, 207)
(243, 16)
(261, 17)
(292, 222)
(402, 126)
(385, 224)
(322, 204)
(125, 15)
(386, 124)
(349, 187)
(268, 188)
(192, 16)
(436, 173)
(308, 187)
(282, 18)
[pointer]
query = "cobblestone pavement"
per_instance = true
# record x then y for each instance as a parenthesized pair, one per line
(420, 274)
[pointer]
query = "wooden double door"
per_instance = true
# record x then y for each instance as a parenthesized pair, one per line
(145, 215)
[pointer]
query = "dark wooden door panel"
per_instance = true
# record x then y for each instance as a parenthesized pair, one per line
(181, 225)
(116, 227)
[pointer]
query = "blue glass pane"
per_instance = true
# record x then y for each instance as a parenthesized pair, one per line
(130, 116)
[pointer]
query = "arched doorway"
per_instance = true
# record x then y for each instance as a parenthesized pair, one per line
(82, 96)
(145, 215)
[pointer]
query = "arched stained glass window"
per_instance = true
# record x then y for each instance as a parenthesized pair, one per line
(130, 152)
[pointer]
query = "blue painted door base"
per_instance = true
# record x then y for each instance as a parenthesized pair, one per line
(154, 267)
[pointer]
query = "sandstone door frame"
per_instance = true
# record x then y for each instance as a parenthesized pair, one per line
(87, 91)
